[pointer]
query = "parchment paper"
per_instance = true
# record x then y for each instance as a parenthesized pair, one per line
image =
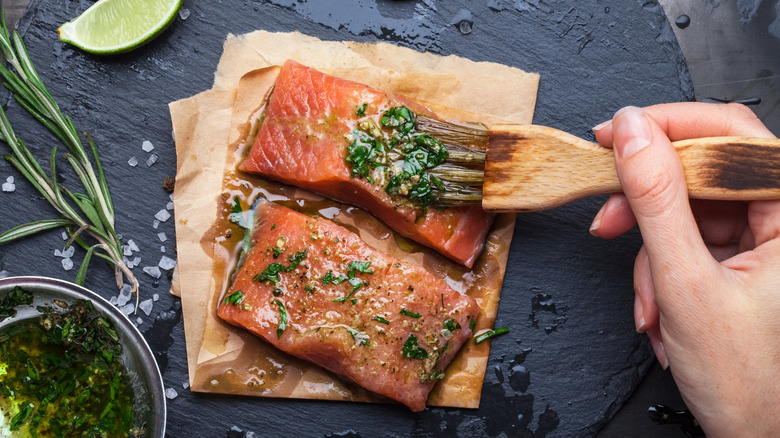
(209, 127)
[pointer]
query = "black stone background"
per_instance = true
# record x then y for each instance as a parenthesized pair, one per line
(571, 358)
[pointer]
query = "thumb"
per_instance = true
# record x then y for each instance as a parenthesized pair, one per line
(652, 178)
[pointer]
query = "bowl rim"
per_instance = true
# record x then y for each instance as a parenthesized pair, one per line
(121, 320)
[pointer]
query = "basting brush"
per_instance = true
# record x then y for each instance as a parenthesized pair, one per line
(520, 168)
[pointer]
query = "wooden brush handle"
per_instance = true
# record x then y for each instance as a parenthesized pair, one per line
(532, 168)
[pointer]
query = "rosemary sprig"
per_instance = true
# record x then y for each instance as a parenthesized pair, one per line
(82, 214)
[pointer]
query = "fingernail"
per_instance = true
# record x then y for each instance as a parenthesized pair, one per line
(639, 315)
(631, 131)
(660, 352)
(600, 126)
(594, 226)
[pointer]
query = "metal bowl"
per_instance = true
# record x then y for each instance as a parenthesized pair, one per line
(148, 389)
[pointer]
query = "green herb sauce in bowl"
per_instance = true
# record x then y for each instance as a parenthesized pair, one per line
(71, 364)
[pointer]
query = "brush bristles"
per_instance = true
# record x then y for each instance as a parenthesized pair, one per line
(462, 174)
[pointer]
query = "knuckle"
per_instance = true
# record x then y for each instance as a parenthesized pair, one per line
(739, 114)
(656, 192)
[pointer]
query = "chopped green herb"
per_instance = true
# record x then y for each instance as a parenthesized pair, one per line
(277, 252)
(490, 334)
(336, 240)
(472, 322)
(327, 278)
(400, 153)
(271, 273)
(235, 298)
(411, 350)
(361, 112)
(309, 287)
(409, 313)
(277, 291)
(236, 205)
(296, 259)
(273, 226)
(340, 279)
(381, 319)
(356, 284)
(451, 325)
(359, 337)
(362, 267)
(436, 374)
(15, 297)
(282, 319)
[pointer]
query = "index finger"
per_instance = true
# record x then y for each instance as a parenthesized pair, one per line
(685, 120)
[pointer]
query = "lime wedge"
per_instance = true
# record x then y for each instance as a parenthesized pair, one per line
(116, 26)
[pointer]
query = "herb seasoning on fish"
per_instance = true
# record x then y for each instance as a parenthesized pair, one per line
(62, 375)
(396, 155)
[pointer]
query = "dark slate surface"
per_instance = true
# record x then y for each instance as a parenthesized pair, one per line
(571, 358)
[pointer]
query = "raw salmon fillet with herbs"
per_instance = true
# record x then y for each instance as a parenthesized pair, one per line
(359, 145)
(317, 291)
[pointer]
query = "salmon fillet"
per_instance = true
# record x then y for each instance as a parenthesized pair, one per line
(304, 139)
(315, 290)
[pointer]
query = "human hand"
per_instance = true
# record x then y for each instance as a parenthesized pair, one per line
(707, 279)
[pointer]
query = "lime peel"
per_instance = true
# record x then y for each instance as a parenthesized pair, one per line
(118, 26)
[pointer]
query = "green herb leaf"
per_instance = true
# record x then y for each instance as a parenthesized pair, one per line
(277, 252)
(271, 273)
(327, 278)
(490, 334)
(296, 259)
(15, 297)
(282, 319)
(25, 410)
(31, 228)
(361, 338)
(409, 313)
(451, 325)
(381, 319)
(411, 350)
(362, 267)
(235, 298)
(361, 112)
(436, 374)
(472, 323)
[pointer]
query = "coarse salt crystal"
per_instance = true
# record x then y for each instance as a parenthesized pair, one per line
(67, 264)
(167, 263)
(9, 187)
(184, 13)
(133, 246)
(171, 393)
(64, 235)
(146, 306)
(153, 271)
(162, 237)
(155, 224)
(57, 253)
(125, 293)
(139, 320)
(128, 263)
(127, 308)
(162, 215)
(185, 384)
(152, 159)
(113, 300)
(147, 146)
(69, 251)
(126, 250)
(132, 162)
(155, 297)
(162, 248)
(169, 206)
